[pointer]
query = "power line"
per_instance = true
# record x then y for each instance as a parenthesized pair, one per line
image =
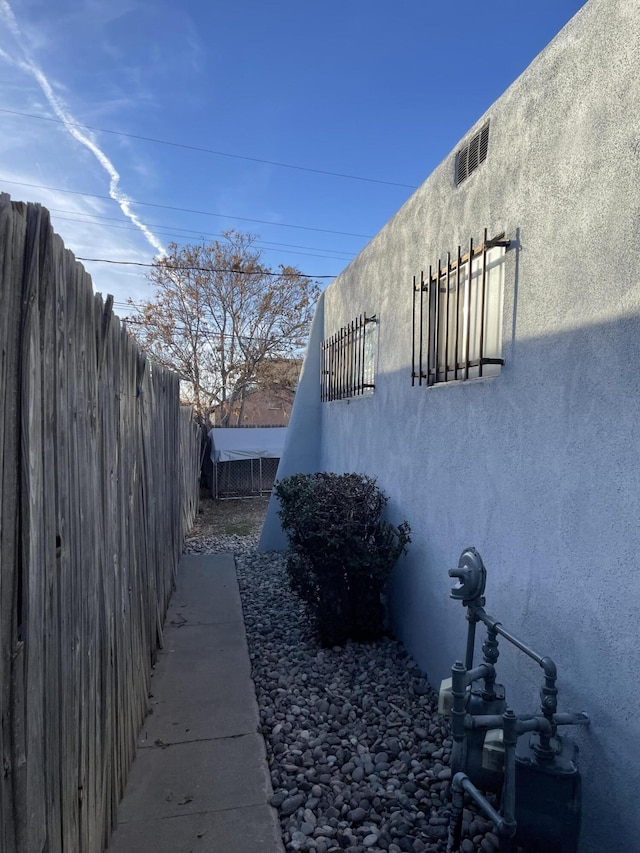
(211, 151)
(192, 231)
(206, 332)
(162, 234)
(178, 268)
(188, 210)
(259, 242)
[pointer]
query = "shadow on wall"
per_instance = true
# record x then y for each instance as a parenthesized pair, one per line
(538, 469)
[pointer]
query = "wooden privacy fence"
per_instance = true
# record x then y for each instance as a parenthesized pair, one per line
(98, 482)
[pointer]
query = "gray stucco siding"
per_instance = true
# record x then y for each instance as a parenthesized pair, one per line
(539, 468)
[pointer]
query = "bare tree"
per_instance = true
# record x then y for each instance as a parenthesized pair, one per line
(219, 316)
(275, 385)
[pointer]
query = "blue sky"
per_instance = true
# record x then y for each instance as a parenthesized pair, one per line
(363, 88)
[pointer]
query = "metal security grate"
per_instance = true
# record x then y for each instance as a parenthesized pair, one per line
(348, 361)
(457, 315)
(471, 155)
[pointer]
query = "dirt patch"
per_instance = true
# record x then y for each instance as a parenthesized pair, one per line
(242, 517)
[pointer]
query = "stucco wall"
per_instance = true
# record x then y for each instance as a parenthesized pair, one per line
(538, 468)
(302, 445)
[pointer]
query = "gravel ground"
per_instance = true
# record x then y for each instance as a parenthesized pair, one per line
(359, 756)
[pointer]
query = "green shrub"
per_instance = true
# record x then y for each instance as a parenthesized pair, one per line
(341, 551)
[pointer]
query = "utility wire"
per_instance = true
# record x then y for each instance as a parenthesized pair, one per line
(210, 334)
(188, 210)
(211, 151)
(204, 332)
(178, 268)
(157, 230)
(161, 234)
(169, 229)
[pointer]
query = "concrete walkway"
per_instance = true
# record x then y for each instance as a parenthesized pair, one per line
(200, 780)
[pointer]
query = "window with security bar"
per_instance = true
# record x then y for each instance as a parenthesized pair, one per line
(457, 315)
(348, 360)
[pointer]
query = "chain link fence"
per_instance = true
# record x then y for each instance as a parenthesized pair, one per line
(244, 478)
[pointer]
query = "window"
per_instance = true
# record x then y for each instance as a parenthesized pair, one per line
(348, 361)
(457, 315)
(469, 157)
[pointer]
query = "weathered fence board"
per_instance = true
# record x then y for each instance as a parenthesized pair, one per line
(11, 246)
(98, 484)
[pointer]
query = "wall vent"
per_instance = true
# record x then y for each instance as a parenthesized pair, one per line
(471, 155)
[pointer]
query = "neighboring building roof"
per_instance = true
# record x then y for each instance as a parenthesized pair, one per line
(231, 443)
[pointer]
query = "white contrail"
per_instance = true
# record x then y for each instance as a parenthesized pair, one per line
(70, 124)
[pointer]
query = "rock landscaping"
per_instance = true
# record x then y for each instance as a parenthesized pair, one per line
(359, 756)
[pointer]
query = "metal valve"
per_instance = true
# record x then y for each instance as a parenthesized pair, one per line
(497, 751)
(472, 577)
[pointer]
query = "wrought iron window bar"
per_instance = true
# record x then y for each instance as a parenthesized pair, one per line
(433, 327)
(346, 369)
